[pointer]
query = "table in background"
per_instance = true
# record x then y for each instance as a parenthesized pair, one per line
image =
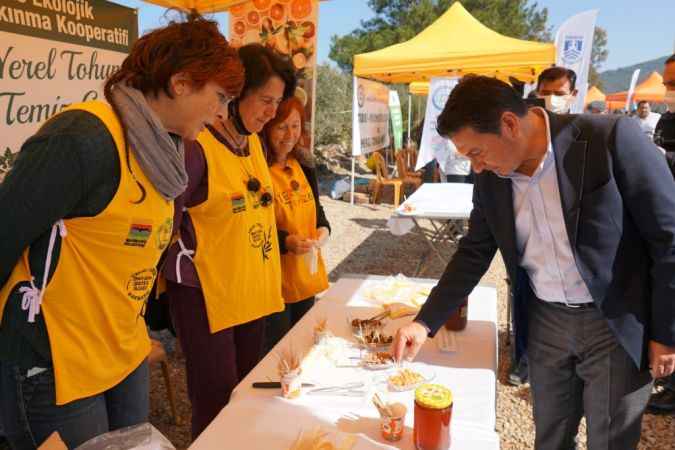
(447, 206)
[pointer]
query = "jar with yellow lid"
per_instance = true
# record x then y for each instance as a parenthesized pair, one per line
(433, 411)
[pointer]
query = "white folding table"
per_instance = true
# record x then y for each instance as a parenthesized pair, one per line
(447, 207)
(261, 419)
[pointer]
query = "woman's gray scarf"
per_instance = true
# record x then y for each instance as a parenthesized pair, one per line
(160, 155)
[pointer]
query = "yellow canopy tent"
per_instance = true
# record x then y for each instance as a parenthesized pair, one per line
(419, 88)
(455, 44)
(652, 89)
(201, 6)
(594, 95)
(209, 6)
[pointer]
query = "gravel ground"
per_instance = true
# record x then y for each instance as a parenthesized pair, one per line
(361, 243)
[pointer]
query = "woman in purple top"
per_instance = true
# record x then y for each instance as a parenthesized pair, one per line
(217, 358)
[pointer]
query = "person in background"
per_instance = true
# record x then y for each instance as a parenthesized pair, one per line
(91, 200)
(596, 107)
(646, 118)
(301, 221)
(223, 273)
(557, 87)
(663, 400)
(583, 207)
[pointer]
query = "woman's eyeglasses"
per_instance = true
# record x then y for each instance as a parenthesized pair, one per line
(225, 100)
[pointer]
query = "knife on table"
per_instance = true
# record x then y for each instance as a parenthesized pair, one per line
(275, 385)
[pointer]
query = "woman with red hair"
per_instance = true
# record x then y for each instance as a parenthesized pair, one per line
(301, 222)
(90, 202)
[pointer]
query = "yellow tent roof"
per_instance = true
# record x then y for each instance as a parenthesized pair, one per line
(205, 6)
(202, 6)
(594, 95)
(455, 44)
(652, 89)
(419, 88)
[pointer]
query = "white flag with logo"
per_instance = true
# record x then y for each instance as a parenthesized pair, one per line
(631, 89)
(574, 42)
(434, 146)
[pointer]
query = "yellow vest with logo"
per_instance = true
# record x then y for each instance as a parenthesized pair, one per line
(105, 270)
(295, 212)
(237, 254)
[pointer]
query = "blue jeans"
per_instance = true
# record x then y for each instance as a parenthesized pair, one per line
(30, 413)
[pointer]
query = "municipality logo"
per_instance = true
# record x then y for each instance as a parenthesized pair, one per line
(440, 97)
(361, 96)
(572, 49)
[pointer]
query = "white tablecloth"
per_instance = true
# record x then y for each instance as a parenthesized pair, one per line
(261, 419)
(441, 201)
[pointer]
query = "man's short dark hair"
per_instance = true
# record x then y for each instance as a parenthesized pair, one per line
(478, 102)
(642, 102)
(556, 73)
(670, 60)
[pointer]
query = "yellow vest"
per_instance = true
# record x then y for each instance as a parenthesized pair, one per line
(295, 212)
(237, 255)
(106, 268)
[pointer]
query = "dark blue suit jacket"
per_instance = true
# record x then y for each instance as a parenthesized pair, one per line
(618, 200)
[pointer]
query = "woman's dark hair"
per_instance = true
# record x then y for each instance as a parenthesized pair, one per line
(478, 102)
(194, 47)
(262, 63)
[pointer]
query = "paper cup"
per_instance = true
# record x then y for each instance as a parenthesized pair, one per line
(320, 336)
(392, 428)
(291, 385)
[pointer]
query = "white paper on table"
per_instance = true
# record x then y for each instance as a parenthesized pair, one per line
(398, 289)
(446, 340)
(398, 226)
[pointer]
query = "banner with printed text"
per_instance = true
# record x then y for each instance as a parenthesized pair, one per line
(289, 27)
(370, 116)
(54, 53)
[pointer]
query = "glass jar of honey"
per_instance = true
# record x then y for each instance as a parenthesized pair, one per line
(457, 321)
(433, 411)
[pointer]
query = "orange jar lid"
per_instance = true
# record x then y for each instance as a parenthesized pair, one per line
(433, 396)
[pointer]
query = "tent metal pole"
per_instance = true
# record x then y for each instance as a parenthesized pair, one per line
(409, 117)
(351, 201)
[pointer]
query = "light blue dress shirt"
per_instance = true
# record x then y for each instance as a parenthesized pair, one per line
(541, 237)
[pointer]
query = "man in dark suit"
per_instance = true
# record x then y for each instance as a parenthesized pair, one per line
(662, 400)
(582, 209)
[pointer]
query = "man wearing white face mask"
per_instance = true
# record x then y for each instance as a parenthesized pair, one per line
(556, 85)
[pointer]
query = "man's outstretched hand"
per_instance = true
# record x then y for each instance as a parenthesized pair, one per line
(408, 341)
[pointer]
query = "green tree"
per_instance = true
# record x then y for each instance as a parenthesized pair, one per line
(333, 113)
(599, 55)
(399, 20)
